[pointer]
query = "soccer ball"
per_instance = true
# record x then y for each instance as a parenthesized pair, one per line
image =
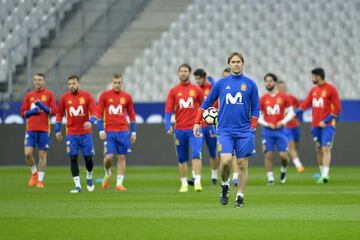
(210, 115)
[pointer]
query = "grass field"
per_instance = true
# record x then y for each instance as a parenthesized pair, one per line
(153, 209)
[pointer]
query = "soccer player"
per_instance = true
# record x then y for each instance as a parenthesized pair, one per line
(113, 107)
(238, 114)
(37, 107)
(209, 131)
(185, 98)
(293, 130)
(273, 107)
(80, 110)
(325, 102)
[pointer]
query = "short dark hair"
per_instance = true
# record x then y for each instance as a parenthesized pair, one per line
(186, 66)
(40, 74)
(117, 76)
(236, 54)
(200, 72)
(73, 76)
(319, 72)
(227, 70)
(272, 75)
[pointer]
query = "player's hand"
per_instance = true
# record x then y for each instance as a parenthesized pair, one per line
(87, 125)
(102, 135)
(196, 130)
(170, 131)
(58, 136)
(279, 125)
(322, 124)
(132, 138)
(272, 126)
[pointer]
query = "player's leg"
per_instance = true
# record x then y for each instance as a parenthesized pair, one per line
(316, 133)
(43, 142)
(29, 144)
(72, 149)
(182, 148)
(87, 149)
(268, 149)
(294, 139)
(196, 146)
(235, 168)
(109, 151)
(226, 149)
(244, 148)
(211, 143)
(281, 142)
(123, 147)
(327, 138)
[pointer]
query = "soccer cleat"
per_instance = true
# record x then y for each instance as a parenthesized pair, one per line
(184, 188)
(121, 188)
(76, 190)
(282, 177)
(90, 185)
(191, 182)
(239, 202)
(300, 169)
(198, 187)
(40, 184)
(235, 182)
(33, 179)
(224, 195)
(214, 181)
(106, 182)
(323, 180)
(271, 183)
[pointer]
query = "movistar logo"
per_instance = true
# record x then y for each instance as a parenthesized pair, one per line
(115, 111)
(189, 103)
(237, 99)
(76, 112)
(273, 110)
(319, 102)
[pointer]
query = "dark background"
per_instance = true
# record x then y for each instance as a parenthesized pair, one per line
(155, 147)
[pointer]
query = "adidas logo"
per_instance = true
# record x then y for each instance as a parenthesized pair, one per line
(228, 87)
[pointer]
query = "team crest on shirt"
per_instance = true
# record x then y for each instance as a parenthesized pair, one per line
(278, 100)
(122, 101)
(70, 102)
(43, 98)
(82, 100)
(206, 92)
(111, 100)
(243, 87)
(191, 93)
(323, 93)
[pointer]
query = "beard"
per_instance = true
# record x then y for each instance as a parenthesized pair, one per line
(270, 88)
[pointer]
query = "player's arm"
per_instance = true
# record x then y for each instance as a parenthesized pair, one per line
(289, 113)
(169, 109)
(335, 105)
(255, 106)
(100, 121)
(26, 112)
(92, 114)
(211, 80)
(132, 117)
(305, 105)
(53, 108)
(59, 117)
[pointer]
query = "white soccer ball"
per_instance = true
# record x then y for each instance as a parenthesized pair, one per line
(210, 115)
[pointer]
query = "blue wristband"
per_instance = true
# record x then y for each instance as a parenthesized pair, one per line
(328, 118)
(133, 127)
(100, 125)
(31, 112)
(42, 106)
(58, 127)
(92, 119)
(167, 121)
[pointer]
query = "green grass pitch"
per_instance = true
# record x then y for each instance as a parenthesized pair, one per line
(153, 209)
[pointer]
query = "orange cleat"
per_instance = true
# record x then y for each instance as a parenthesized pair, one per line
(300, 169)
(40, 184)
(33, 179)
(106, 183)
(121, 188)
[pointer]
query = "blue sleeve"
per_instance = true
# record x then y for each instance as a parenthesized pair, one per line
(42, 106)
(167, 121)
(212, 97)
(92, 119)
(58, 127)
(100, 125)
(328, 118)
(211, 80)
(299, 113)
(31, 112)
(133, 127)
(255, 101)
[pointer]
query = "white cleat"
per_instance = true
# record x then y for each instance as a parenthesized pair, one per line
(90, 185)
